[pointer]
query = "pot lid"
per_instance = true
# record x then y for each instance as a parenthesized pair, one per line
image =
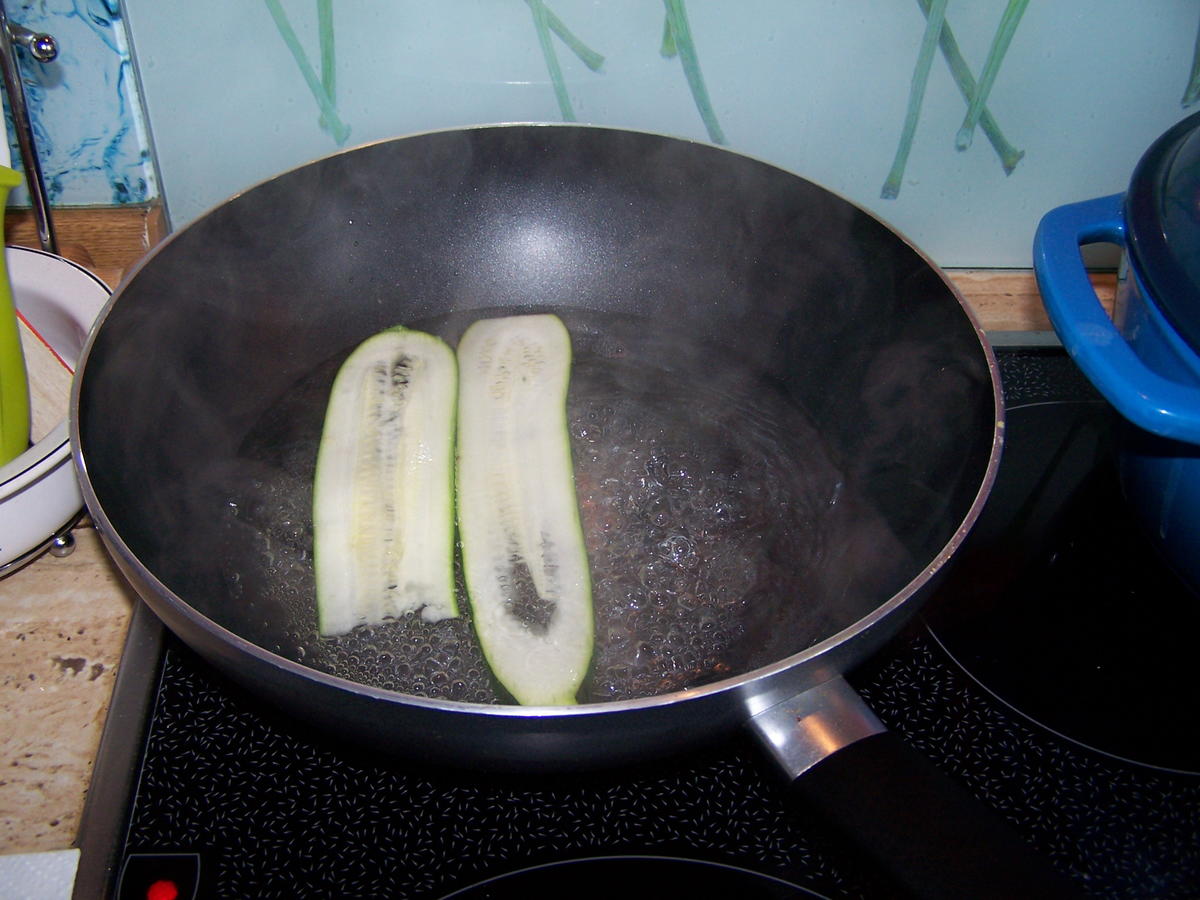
(1162, 213)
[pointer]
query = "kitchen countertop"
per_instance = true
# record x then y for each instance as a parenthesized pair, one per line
(62, 626)
(63, 623)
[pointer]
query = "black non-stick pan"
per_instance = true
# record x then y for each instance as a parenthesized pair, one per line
(783, 420)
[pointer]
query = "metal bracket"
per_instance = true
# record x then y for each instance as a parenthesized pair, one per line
(803, 730)
(43, 48)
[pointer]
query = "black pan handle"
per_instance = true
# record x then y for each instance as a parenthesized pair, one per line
(924, 831)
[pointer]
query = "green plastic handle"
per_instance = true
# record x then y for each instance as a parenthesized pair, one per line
(14, 384)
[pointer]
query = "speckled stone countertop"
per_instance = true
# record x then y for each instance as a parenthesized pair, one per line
(63, 624)
(63, 620)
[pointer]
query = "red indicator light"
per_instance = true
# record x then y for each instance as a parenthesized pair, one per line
(162, 890)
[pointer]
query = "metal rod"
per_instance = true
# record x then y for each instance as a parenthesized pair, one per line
(39, 45)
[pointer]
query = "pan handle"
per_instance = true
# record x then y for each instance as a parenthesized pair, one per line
(926, 832)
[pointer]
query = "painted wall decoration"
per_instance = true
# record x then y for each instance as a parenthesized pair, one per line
(676, 42)
(85, 106)
(322, 85)
(975, 91)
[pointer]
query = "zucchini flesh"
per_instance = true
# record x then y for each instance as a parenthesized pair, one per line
(523, 555)
(383, 521)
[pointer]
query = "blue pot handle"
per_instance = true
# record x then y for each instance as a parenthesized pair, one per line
(1142, 396)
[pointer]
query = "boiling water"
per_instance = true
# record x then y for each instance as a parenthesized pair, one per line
(705, 499)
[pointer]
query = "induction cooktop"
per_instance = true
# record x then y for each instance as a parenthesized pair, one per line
(1049, 675)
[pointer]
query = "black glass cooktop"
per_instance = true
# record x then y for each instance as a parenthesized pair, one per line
(1107, 652)
(1049, 675)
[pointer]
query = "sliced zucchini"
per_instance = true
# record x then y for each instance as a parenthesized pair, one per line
(383, 521)
(523, 555)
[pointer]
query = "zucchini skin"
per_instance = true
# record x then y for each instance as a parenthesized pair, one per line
(524, 560)
(383, 522)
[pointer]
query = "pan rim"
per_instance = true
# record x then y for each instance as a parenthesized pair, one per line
(886, 610)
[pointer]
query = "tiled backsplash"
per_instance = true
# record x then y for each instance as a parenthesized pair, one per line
(86, 111)
(865, 97)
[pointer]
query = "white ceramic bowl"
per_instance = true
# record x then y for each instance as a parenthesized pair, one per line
(39, 491)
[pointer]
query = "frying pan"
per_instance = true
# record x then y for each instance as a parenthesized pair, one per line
(748, 318)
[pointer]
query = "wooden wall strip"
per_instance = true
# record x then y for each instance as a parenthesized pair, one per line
(105, 240)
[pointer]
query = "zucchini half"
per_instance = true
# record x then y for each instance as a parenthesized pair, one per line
(383, 521)
(524, 560)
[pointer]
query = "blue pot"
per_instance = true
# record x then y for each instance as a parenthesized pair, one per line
(1146, 359)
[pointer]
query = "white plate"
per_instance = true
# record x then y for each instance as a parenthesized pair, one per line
(39, 492)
